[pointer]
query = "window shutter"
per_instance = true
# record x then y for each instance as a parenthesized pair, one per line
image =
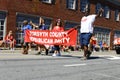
(66, 3)
(53, 1)
(117, 17)
(76, 7)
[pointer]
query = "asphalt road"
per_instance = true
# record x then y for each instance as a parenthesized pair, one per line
(61, 68)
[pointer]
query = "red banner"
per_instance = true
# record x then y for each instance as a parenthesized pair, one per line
(50, 37)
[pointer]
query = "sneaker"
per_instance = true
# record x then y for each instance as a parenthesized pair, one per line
(30, 50)
(13, 49)
(94, 51)
(88, 54)
(54, 55)
(58, 54)
(25, 52)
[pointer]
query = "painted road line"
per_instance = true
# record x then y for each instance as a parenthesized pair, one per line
(110, 57)
(114, 58)
(74, 65)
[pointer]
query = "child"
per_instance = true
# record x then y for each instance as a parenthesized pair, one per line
(10, 40)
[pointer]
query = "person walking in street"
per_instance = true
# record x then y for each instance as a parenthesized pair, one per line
(25, 45)
(58, 27)
(41, 26)
(86, 31)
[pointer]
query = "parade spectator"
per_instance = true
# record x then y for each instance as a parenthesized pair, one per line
(41, 26)
(10, 40)
(58, 27)
(105, 46)
(97, 47)
(93, 41)
(101, 45)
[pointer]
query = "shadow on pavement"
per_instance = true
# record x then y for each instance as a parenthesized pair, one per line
(93, 57)
(90, 58)
(70, 56)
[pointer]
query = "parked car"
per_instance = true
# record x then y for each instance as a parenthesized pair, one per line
(117, 45)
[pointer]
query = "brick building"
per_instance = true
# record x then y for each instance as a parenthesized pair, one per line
(13, 12)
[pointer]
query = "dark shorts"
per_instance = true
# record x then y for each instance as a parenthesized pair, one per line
(85, 39)
(56, 47)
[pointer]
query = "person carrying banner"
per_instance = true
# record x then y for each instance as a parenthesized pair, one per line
(24, 44)
(41, 26)
(87, 31)
(58, 27)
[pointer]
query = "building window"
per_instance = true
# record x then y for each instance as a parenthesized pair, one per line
(84, 5)
(2, 25)
(72, 4)
(117, 17)
(47, 1)
(70, 24)
(117, 34)
(48, 22)
(106, 12)
(98, 6)
(102, 34)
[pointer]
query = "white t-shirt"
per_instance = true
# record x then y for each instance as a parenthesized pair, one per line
(87, 23)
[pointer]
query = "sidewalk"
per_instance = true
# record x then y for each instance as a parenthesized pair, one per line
(16, 54)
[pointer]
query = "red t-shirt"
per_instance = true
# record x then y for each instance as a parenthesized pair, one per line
(9, 37)
(93, 42)
(57, 28)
